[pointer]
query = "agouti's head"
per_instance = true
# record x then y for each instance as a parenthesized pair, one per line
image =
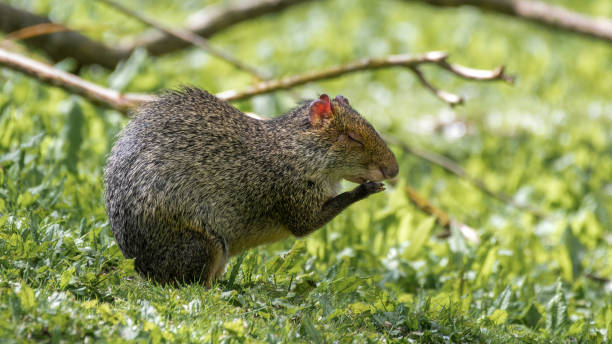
(357, 152)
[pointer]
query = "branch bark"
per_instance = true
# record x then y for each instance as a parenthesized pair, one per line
(541, 13)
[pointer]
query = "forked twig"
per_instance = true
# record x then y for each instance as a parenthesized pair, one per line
(450, 98)
(403, 60)
(123, 102)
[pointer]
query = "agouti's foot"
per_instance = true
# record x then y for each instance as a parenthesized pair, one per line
(372, 187)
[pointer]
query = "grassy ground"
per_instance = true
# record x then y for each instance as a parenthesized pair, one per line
(377, 272)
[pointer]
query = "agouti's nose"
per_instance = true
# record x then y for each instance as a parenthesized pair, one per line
(390, 171)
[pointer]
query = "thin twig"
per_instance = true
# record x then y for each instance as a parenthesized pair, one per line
(456, 169)
(477, 74)
(450, 98)
(31, 32)
(211, 20)
(441, 217)
(186, 36)
(36, 30)
(404, 60)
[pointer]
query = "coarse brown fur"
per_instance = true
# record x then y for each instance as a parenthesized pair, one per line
(192, 180)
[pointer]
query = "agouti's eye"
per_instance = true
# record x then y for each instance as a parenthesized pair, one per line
(355, 138)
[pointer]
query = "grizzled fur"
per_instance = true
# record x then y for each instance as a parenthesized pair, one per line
(192, 180)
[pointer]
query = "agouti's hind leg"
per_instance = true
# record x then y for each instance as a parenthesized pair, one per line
(221, 265)
(186, 258)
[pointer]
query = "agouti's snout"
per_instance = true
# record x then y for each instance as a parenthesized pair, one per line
(389, 171)
(388, 165)
(380, 172)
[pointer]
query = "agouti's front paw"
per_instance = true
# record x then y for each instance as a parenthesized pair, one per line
(372, 187)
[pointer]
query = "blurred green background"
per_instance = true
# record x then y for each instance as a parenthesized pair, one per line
(376, 272)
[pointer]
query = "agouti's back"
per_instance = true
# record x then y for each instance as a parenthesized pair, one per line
(192, 180)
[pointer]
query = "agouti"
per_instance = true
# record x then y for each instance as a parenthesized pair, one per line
(192, 181)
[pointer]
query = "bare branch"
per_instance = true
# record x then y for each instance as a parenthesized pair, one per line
(441, 217)
(541, 13)
(411, 61)
(71, 82)
(454, 168)
(186, 36)
(59, 45)
(213, 19)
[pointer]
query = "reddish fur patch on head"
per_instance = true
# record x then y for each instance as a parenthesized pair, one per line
(320, 110)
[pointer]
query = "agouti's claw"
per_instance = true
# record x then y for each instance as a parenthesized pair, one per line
(373, 187)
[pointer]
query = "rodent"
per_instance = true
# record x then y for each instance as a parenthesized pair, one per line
(192, 181)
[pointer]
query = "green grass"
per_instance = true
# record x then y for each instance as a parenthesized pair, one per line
(376, 272)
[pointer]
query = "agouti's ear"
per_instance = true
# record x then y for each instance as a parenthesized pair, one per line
(319, 110)
(340, 99)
